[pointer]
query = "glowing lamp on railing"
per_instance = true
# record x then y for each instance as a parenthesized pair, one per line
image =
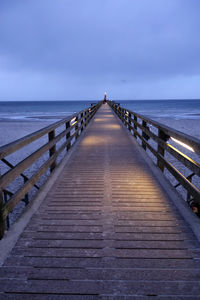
(73, 121)
(182, 144)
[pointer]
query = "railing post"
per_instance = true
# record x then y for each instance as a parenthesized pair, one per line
(87, 117)
(82, 122)
(188, 194)
(117, 110)
(144, 124)
(122, 116)
(76, 127)
(161, 150)
(52, 150)
(129, 121)
(2, 222)
(5, 201)
(135, 126)
(26, 200)
(67, 126)
(126, 119)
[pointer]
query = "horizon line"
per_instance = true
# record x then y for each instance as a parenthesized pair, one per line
(64, 100)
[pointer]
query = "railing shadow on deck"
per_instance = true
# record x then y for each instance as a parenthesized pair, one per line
(57, 143)
(162, 141)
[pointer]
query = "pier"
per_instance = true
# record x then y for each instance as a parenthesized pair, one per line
(107, 224)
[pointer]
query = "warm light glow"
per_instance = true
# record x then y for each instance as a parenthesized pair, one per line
(108, 116)
(110, 126)
(93, 141)
(73, 123)
(99, 120)
(182, 144)
(72, 120)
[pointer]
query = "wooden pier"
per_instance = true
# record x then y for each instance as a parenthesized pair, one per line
(105, 230)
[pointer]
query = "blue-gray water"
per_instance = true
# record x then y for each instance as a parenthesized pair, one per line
(29, 110)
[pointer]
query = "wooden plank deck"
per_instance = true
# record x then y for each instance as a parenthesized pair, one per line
(106, 230)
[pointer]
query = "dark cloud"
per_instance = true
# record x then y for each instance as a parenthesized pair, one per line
(75, 49)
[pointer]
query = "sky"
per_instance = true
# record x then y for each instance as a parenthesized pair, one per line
(78, 49)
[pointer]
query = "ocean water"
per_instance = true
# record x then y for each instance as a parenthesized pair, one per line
(54, 110)
(175, 109)
(37, 110)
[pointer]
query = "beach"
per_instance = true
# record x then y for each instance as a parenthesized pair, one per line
(188, 126)
(11, 130)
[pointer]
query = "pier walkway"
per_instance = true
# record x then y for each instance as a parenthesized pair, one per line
(106, 230)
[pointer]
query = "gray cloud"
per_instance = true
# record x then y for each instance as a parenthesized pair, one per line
(68, 48)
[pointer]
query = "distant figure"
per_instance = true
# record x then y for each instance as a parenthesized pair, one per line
(105, 99)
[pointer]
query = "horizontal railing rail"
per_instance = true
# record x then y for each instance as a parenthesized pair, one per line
(73, 127)
(147, 130)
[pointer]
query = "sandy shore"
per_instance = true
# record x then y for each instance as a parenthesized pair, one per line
(189, 126)
(13, 130)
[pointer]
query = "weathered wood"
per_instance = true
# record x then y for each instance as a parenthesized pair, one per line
(164, 133)
(24, 164)
(135, 126)
(144, 125)
(81, 120)
(129, 121)
(161, 150)
(20, 143)
(14, 200)
(22, 175)
(67, 126)
(16, 145)
(187, 161)
(189, 140)
(52, 150)
(2, 222)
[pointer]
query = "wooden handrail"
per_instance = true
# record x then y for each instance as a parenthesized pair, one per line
(74, 126)
(164, 133)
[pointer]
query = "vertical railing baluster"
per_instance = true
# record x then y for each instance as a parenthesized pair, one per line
(123, 116)
(87, 117)
(118, 111)
(188, 194)
(26, 200)
(52, 150)
(5, 201)
(135, 126)
(2, 222)
(67, 126)
(161, 150)
(82, 122)
(76, 127)
(129, 121)
(144, 125)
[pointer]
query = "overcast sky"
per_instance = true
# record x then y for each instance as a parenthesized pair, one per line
(78, 49)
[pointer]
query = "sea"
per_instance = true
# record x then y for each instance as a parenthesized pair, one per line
(54, 110)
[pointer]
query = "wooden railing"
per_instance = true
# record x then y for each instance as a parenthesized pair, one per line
(146, 130)
(71, 128)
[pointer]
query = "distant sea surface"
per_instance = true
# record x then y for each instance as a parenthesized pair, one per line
(53, 110)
